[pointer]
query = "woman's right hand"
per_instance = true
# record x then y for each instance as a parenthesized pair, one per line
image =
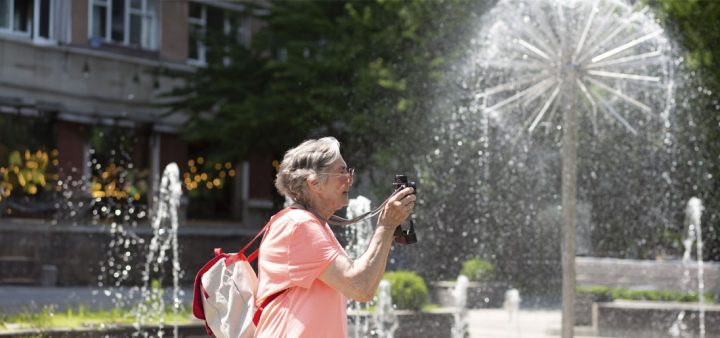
(397, 209)
(359, 279)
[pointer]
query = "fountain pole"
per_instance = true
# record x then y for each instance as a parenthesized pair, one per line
(569, 203)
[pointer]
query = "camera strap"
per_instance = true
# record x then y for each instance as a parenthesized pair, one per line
(341, 221)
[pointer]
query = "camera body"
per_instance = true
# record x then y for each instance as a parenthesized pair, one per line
(404, 236)
(401, 182)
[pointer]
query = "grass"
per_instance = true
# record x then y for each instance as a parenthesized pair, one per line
(82, 317)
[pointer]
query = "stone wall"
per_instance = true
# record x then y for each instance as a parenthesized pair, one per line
(194, 330)
(643, 274)
(73, 253)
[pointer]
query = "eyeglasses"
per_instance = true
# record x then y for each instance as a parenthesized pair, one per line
(349, 173)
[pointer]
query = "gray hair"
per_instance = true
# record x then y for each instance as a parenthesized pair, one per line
(302, 162)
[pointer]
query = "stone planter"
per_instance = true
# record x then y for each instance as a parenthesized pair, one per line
(642, 319)
(193, 330)
(480, 295)
(412, 324)
(584, 307)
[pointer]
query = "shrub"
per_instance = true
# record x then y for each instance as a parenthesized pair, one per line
(599, 293)
(604, 294)
(477, 270)
(408, 290)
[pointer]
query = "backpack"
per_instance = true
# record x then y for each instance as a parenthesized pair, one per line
(224, 295)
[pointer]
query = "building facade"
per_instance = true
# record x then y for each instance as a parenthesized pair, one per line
(81, 115)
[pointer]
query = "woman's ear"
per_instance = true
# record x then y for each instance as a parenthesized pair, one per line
(313, 182)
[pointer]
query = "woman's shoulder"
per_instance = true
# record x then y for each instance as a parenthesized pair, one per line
(298, 216)
(288, 224)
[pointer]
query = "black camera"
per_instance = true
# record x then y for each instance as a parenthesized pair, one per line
(401, 182)
(404, 236)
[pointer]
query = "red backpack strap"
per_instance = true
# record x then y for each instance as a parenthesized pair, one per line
(200, 292)
(253, 256)
(259, 310)
(240, 255)
(272, 220)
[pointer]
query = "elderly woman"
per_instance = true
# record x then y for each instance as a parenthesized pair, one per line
(301, 262)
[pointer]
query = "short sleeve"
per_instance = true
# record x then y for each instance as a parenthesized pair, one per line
(312, 248)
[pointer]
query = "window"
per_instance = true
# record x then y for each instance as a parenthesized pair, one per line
(43, 24)
(28, 166)
(208, 22)
(197, 21)
(119, 172)
(42, 20)
(238, 26)
(127, 22)
(209, 187)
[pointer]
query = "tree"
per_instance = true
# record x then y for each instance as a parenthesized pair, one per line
(360, 71)
(693, 24)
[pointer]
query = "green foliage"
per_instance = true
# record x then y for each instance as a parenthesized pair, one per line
(156, 285)
(408, 290)
(693, 23)
(605, 294)
(477, 270)
(354, 70)
(600, 293)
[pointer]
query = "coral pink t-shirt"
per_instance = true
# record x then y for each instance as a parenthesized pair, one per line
(295, 251)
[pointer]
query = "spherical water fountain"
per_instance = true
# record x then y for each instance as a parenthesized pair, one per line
(573, 57)
(544, 75)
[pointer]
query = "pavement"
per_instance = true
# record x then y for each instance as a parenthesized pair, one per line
(482, 323)
(498, 323)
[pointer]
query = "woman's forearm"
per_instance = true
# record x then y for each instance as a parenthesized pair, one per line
(372, 263)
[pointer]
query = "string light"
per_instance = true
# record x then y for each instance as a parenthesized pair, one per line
(108, 184)
(212, 173)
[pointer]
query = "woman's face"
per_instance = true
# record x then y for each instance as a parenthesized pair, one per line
(334, 192)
